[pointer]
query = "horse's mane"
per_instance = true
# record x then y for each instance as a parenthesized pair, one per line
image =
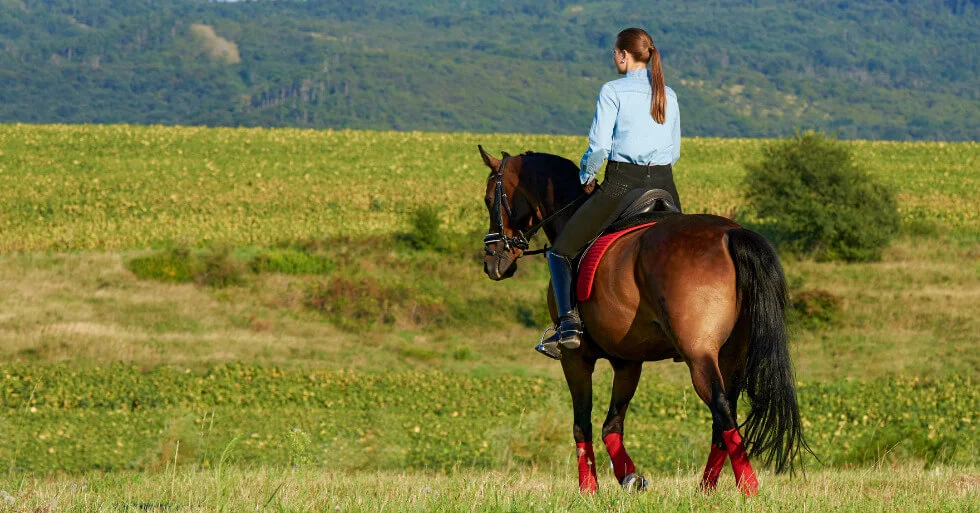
(563, 174)
(556, 164)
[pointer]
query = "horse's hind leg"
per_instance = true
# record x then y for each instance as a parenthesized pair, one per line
(718, 454)
(578, 367)
(710, 387)
(625, 381)
(716, 458)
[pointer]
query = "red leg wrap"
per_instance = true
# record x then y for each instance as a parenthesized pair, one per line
(621, 462)
(716, 463)
(587, 482)
(744, 475)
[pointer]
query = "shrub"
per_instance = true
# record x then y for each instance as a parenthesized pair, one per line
(814, 309)
(811, 199)
(354, 303)
(216, 267)
(220, 268)
(426, 229)
(175, 265)
(291, 261)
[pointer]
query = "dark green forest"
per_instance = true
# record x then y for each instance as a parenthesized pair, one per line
(874, 69)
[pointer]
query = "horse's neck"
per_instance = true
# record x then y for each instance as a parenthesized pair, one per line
(564, 192)
(554, 228)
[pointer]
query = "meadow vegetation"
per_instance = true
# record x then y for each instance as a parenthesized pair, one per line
(235, 310)
(883, 489)
(813, 201)
(118, 187)
(120, 417)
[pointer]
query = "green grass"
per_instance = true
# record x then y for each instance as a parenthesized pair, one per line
(123, 187)
(57, 418)
(310, 488)
(384, 305)
(307, 309)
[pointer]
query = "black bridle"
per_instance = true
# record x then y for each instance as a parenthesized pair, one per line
(522, 240)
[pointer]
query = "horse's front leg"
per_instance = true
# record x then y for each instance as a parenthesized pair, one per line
(578, 366)
(625, 381)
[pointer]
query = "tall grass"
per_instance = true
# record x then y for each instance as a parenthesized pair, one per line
(287, 489)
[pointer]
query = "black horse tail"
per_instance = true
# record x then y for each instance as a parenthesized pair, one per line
(773, 429)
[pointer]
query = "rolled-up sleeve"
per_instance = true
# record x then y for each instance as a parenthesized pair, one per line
(600, 135)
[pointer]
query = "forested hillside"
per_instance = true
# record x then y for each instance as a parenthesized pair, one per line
(875, 69)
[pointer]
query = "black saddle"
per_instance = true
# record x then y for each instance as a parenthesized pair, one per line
(653, 200)
(641, 207)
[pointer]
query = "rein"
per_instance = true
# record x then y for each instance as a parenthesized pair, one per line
(522, 240)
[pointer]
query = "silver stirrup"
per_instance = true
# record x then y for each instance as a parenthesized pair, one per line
(548, 345)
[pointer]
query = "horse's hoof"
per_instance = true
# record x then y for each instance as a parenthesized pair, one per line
(634, 482)
(549, 349)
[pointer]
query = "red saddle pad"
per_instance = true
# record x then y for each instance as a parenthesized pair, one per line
(590, 261)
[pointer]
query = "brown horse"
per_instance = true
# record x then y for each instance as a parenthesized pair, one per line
(692, 288)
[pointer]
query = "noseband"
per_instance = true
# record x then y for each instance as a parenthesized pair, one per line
(521, 241)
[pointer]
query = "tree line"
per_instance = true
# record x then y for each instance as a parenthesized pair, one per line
(877, 70)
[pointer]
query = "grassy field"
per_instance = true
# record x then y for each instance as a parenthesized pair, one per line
(122, 187)
(915, 312)
(875, 489)
(193, 317)
(116, 417)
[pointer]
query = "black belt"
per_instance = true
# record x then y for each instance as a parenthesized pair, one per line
(626, 166)
(637, 170)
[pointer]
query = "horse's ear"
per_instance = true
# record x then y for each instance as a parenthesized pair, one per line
(505, 154)
(488, 159)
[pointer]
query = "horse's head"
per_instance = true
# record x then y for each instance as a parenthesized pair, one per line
(511, 214)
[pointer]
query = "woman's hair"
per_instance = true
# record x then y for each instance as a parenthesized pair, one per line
(639, 44)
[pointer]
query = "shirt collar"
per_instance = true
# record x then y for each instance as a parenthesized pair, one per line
(637, 73)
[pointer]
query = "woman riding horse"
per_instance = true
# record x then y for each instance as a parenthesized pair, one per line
(693, 288)
(637, 127)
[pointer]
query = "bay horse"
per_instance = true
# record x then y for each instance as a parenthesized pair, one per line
(693, 288)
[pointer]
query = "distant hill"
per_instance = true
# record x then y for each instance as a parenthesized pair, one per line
(874, 69)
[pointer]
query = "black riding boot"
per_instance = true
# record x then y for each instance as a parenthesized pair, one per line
(569, 323)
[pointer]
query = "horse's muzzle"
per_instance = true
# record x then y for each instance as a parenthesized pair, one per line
(499, 267)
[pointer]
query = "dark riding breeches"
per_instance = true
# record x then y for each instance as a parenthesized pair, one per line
(624, 183)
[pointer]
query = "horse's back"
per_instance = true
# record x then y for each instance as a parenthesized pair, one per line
(646, 285)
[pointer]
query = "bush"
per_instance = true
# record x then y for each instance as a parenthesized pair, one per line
(811, 199)
(355, 303)
(426, 232)
(215, 267)
(291, 261)
(175, 265)
(814, 309)
(220, 268)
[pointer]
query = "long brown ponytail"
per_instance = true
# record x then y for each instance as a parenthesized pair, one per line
(640, 45)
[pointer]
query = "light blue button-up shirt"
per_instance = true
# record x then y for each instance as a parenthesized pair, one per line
(624, 130)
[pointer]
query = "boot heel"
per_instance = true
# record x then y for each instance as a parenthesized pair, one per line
(570, 331)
